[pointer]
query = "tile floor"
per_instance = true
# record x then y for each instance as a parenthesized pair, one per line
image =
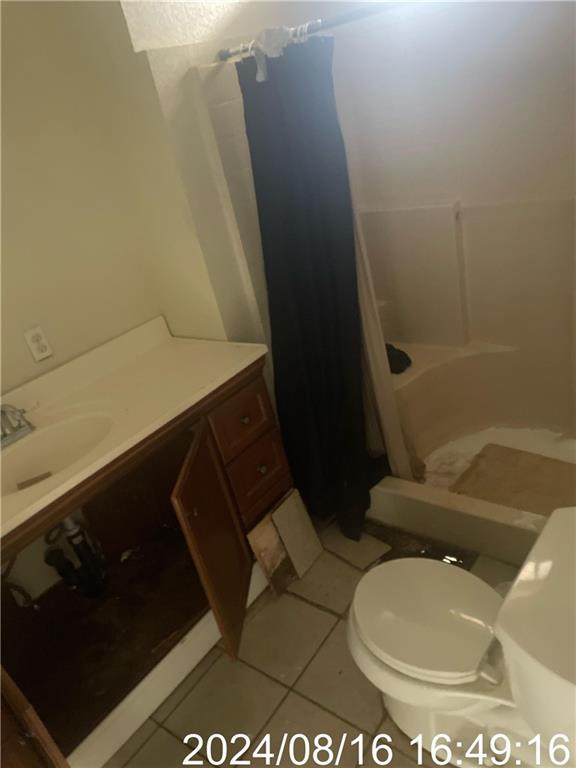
(294, 673)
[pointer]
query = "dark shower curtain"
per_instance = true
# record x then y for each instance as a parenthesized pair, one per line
(306, 224)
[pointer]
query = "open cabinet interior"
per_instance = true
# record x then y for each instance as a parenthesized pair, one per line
(75, 657)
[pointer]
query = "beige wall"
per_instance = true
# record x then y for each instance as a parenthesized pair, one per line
(459, 101)
(196, 155)
(213, 24)
(223, 100)
(97, 235)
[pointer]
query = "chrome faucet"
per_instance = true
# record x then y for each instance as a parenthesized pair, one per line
(14, 424)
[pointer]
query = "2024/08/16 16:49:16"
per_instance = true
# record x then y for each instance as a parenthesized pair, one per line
(499, 749)
(298, 749)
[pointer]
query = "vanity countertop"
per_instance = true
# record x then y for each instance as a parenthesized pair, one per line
(134, 385)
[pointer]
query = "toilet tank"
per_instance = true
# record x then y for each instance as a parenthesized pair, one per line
(536, 627)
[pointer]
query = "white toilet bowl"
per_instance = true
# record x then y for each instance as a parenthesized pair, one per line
(451, 656)
(440, 621)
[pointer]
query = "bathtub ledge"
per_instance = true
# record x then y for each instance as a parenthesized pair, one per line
(425, 357)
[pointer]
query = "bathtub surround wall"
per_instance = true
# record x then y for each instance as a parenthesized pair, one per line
(486, 269)
(459, 101)
(462, 151)
(97, 236)
(416, 259)
(512, 343)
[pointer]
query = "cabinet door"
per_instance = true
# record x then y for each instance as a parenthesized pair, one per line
(25, 741)
(207, 513)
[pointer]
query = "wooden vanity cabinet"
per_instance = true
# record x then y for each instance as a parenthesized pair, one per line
(250, 446)
(25, 741)
(18, 750)
(221, 466)
(241, 419)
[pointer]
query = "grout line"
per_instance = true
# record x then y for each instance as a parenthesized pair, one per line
(287, 690)
(179, 740)
(307, 600)
(133, 755)
(322, 706)
(343, 560)
(316, 652)
(176, 736)
(170, 733)
(292, 687)
(218, 656)
(266, 674)
(304, 668)
(332, 713)
(267, 722)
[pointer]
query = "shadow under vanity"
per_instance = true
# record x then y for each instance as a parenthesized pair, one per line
(170, 517)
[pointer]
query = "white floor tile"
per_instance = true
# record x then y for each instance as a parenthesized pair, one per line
(230, 698)
(282, 637)
(329, 583)
(163, 750)
(359, 553)
(296, 715)
(180, 693)
(334, 681)
(130, 747)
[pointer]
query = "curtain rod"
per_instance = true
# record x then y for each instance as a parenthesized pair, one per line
(318, 25)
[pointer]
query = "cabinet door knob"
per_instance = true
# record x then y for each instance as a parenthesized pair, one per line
(245, 419)
(195, 511)
(262, 468)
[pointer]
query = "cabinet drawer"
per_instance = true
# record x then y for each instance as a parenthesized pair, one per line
(259, 476)
(242, 419)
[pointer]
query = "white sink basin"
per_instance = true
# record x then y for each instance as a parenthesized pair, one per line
(51, 449)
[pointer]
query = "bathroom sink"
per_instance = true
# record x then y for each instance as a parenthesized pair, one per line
(50, 450)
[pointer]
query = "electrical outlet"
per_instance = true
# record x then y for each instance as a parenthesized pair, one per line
(38, 343)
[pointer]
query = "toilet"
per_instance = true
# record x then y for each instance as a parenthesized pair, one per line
(451, 656)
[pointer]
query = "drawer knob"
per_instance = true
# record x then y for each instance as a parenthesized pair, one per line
(245, 419)
(195, 511)
(262, 468)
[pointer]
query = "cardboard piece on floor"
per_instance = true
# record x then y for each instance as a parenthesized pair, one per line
(271, 555)
(297, 532)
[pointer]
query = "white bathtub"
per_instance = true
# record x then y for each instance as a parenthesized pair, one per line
(449, 392)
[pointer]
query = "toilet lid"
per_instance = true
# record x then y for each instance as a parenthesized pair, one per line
(426, 619)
